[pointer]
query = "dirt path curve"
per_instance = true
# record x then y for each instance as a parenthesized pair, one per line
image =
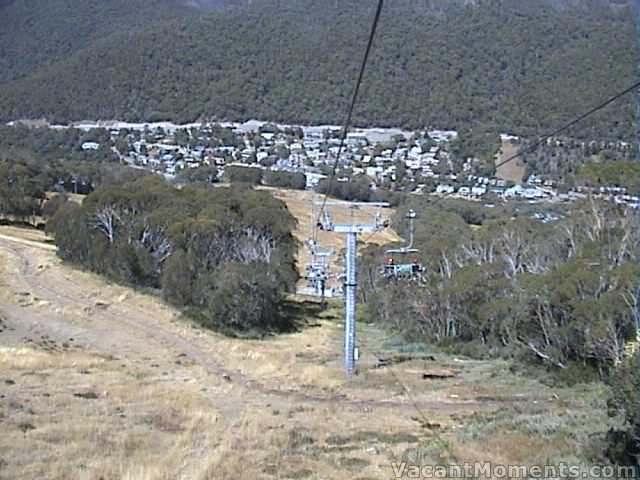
(127, 330)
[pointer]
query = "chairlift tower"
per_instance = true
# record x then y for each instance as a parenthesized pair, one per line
(351, 230)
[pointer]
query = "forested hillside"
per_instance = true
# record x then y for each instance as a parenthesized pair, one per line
(563, 293)
(36, 162)
(511, 65)
(38, 33)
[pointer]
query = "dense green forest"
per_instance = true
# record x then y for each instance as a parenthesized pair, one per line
(48, 145)
(496, 283)
(619, 173)
(225, 255)
(37, 33)
(505, 65)
(36, 162)
(600, 163)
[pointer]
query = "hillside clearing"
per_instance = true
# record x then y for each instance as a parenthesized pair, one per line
(300, 204)
(513, 171)
(100, 381)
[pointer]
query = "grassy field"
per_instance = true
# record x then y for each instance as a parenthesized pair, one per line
(300, 204)
(98, 381)
(513, 171)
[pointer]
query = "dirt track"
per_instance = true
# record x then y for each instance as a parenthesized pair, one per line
(45, 302)
(71, 310)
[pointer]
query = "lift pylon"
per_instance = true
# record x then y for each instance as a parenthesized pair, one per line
(351, 230)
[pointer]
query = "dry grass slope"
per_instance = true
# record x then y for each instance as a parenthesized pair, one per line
(300, 204)
(131, 390)
(513, 171)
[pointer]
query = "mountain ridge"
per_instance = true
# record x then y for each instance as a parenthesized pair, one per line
(501, 64)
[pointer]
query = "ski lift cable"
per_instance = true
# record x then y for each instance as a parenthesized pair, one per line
(522, 152)
(567, 126)
(544, 138)
(350, 113)
(352, 105)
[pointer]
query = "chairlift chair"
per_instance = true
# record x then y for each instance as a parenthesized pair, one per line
(403, 263)
(317, 271)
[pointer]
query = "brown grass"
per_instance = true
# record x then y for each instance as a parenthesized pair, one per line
(29, 359)
(137, 409)
(300, 204)
(307, 359)
(133, 428)
(512, 448)
(513, 171)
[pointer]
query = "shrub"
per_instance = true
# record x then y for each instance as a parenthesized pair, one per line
(245, 298)
(237, 174)
(226, 255)
(296, 181)
(624, 444)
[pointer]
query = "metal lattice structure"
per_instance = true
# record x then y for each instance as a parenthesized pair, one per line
(351, 230)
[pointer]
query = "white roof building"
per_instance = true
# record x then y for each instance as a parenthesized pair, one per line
(478, 191)
(90, 146)
(446, 189)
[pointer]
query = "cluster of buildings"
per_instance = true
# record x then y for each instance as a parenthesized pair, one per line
(167, 158)
(533, 190)
(420, 163)
(476, 187)
(376, 153)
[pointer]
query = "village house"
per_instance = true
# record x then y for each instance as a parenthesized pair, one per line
(445, 189)
(90, 146)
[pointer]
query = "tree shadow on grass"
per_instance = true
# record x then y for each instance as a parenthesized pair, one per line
(297, 315)
(293, 316)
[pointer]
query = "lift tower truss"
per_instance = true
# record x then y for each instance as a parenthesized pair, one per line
(351, 230)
